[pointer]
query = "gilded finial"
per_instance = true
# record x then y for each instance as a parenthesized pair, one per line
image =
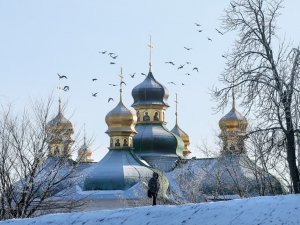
(176, 113)
(59, 88)
(121, 82)
(150, 52)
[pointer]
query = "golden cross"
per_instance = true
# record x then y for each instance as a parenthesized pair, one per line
(150, 52)
(121, 81)
(176, 113)
(59, 88)
(233, 93)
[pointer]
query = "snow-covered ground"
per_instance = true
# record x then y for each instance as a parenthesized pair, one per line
(260, 210)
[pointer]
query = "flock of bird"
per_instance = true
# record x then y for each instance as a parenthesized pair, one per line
(113, 56)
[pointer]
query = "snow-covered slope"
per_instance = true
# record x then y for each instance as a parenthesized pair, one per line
(260, 210)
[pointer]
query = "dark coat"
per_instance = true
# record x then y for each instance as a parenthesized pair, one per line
(154, 185)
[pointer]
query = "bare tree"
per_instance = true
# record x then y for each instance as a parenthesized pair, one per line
(29, 178)
(264, 72)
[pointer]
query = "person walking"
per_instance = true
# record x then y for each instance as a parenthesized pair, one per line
(153, 187)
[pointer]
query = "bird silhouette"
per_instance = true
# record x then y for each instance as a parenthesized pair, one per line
(123, 82)
(219, 31)
(61, 76)
(180, 67)
(103, 52)
(223, 56)
(132, 75)
(199, 31)
(197, 24)
(171, 82)
(95, 94)
(209, 39)
(143, 74)
(182, 84)
(232, 5)
(195, 68)
(170, 63)
(66, 88)
(188, 74)
(112, 85)
(111, 54)
(114, 57)
(187, 48)
(94, 79)
(188, 62)
(112, 63)
(110, 99)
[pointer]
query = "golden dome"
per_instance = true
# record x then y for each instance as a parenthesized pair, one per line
(60, 123)
(233, 121)
(120, 120)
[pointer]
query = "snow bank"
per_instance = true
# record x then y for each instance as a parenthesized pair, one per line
(260, 210)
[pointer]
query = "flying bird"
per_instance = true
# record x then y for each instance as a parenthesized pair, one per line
(188, 62)
(95, 94)
(223, 56)
(187, 48)
(143, 74)
(219, 31)
(171, 83)
(62, 76)
(182, 83)
(123, 82)
(94, 79)
(199, 31)
(103, 52)
(111, 54)
(233, 6)
(132, 75)
(209, 39)
(197, 24)
(171, 63)
(112, 85)
(66, 88)
(112, 63)
(114, 57)
(180, 67)
(196, 68)
(110, 99)
(188, 74)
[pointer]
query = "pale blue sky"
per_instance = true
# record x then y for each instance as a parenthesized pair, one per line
(41, 38)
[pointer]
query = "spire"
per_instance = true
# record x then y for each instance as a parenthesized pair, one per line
(121, 82)
(150, 53)
(84, 135)
(59, 88)
(233, 94)
(176, 113)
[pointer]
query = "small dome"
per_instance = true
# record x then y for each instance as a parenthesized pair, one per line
(150, 92)
(60, 122)
(179, 132)
(121, 119)
(233, 120)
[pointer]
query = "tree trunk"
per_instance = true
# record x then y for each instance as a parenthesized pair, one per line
(291, 151)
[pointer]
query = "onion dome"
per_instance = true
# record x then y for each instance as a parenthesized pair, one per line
(150, 92)
(185, 138)
(180, 133)
(233, 121)
(84, 152)
(60, 122)
(118, 170)
(120, 119)
(158, 146)
(233, 130)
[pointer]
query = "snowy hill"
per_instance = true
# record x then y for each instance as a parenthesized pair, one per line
(260, 210)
